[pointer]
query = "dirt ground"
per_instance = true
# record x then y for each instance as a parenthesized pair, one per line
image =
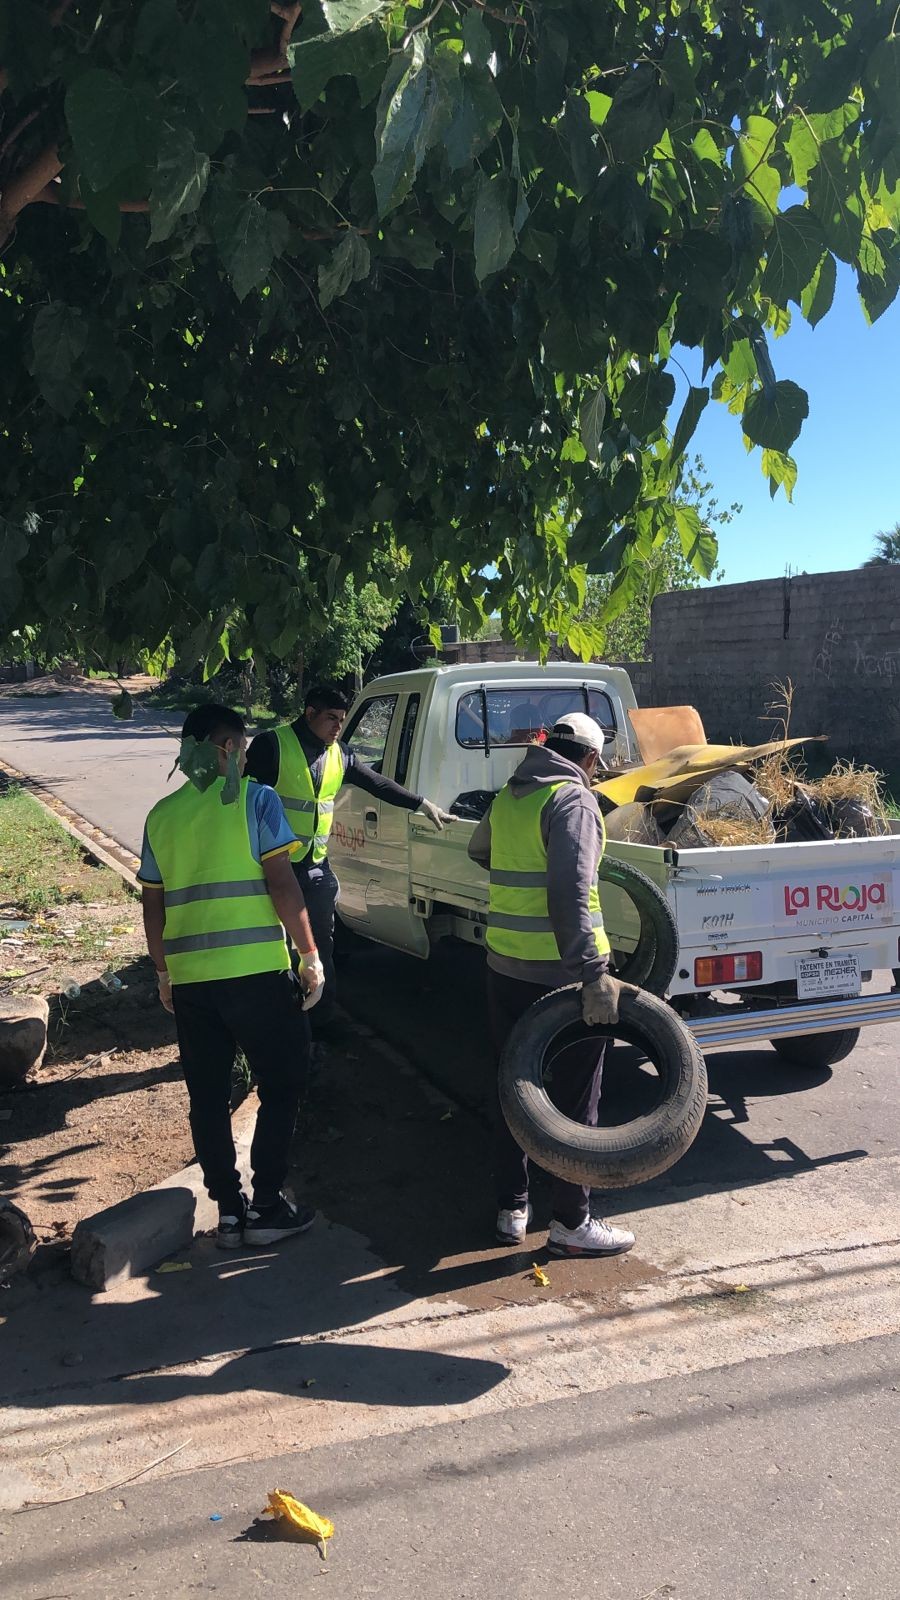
(106, 1113)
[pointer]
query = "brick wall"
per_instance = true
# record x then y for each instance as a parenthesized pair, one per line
(836, 635)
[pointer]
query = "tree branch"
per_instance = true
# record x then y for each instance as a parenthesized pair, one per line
(26, 187)
(52, 196)
(20, 127)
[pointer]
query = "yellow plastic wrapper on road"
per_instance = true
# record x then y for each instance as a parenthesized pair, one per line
(540, 1276)
(298, 1517)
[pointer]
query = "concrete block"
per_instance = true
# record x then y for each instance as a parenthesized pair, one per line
(124, 1239)
(23, 1036)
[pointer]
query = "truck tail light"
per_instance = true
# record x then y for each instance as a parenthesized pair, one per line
(712, 970)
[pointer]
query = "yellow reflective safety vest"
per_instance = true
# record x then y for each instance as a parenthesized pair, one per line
(519, 923)
(220, 920)
(310, 812)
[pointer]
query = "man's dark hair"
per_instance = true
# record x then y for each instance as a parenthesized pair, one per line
(212, 722)
(567, 748)
(326, 697)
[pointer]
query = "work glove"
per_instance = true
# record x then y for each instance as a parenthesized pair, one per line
(164, 984)
(312, 978)
(600, 1001)
(435, 815)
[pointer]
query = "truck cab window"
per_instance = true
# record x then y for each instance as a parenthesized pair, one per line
(410, 716)
(367, 732)
(523, 716)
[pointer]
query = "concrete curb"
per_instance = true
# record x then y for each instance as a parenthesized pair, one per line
(124, 1240)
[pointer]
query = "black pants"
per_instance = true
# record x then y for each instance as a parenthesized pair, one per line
(261, 1015)
(320, 891)
(577, 1076)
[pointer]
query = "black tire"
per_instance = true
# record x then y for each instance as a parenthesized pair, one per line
(603, 1158)
(816, 1050)
(652, 965)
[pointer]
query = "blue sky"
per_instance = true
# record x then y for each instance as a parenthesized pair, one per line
(847, 455)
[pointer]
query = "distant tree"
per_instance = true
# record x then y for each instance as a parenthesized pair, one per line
(671, 565)
(887, 548)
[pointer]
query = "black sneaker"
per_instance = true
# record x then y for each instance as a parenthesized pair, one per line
(230, 1232)
(273, 1223)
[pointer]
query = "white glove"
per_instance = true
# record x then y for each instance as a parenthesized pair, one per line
(164, 983)
(312, 978)
(435, 815)
(600, 1002)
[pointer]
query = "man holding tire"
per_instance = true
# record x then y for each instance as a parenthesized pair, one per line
(542, 841)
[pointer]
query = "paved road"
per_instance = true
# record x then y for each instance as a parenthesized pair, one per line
(776, 1478)
(110, 772)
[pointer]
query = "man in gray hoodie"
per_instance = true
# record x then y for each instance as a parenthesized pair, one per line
(542, 840)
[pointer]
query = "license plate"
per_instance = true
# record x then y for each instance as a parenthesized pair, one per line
(825, 976)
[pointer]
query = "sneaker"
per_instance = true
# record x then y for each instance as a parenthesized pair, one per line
(271, 1224)
(229, 1233)
(594, 1238)
(512, 1226)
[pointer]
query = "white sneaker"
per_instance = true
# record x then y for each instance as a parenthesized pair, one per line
(594, 1238)
(512, 1226)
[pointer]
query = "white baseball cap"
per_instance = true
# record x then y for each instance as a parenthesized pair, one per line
(581, 729)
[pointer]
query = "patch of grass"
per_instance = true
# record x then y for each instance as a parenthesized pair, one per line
(41, 866)
(185, 697)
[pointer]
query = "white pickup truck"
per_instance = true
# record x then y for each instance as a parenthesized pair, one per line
(775, 941)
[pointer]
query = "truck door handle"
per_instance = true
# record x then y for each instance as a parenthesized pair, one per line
(371, 821)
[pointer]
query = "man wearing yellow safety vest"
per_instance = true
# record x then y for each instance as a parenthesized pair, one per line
(307, 765)
(542, 841)
(218, 894)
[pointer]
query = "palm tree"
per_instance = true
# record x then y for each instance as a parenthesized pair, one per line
(887, 548)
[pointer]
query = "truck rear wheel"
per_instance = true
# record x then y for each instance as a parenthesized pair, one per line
(815, 1050)
(652, 964)
(613, 1157)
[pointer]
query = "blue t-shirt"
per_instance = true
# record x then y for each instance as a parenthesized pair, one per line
(270, 832)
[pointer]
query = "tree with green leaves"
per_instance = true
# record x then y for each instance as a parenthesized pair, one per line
(295, 293)
(887, 548)
(627, 636)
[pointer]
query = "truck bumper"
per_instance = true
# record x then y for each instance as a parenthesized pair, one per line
(747, 1026)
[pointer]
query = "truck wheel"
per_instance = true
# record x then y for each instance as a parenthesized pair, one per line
(814, 1050)
(603, 1158)
(652, 965)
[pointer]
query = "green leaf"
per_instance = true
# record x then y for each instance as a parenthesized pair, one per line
(475, 119)
(802, 145)
(645, 400)
(180, 179)
(794, 249)
(638, 115)
(343, 15)
(774, 419)
(761, 182)
(834, 197)
(781, 471)
(699, 545)
(199, 762)
(123, 706)
(476, 38)
(590, 423)
(249, 238)
(58, 338)
(406, 110)
(349, 263)
(315, 61)
(816, 298)
(883, 72)
(692, 410)
(494, 237)
(110, 123)
(104, 212)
